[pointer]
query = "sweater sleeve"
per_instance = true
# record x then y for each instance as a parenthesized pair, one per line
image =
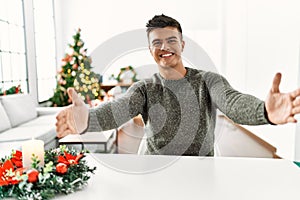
(113, 114)
(241, 108)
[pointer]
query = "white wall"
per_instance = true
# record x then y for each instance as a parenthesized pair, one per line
(248, 40)
(262, 38)
(277, 50)
(101, 20)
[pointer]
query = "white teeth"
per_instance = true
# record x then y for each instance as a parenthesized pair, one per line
(166, 55)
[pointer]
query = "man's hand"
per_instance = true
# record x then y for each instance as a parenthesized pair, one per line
(282, 107)
(74, 118)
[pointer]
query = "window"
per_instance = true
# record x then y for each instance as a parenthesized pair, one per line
(45, 48)
(13, 69)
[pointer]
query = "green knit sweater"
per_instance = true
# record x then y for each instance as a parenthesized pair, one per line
(179, 115)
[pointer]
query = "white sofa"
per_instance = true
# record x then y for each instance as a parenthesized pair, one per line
(21, 119)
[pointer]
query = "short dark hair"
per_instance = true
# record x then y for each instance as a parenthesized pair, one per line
(162, 21)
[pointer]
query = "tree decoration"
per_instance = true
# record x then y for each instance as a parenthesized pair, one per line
(64, 172)
(76, 71)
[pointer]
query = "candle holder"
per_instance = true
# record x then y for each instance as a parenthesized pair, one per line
(64, 172)
(33, 149)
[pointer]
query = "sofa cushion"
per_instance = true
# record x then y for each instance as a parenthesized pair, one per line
(5, 124)
(45, 120)
(41, 128)
(45, 127)
(45, 133)
(20, 108)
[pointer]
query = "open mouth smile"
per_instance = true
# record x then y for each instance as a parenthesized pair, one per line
(166, 55)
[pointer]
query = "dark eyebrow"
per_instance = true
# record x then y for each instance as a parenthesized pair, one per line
(172, 37)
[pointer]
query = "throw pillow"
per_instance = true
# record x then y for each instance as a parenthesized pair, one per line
(20, 108)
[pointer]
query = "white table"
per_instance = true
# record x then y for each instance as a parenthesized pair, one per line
(208, 178)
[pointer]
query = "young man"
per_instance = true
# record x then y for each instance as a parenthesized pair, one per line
(178, 104)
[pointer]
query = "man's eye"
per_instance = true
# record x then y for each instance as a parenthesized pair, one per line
(156, 43)
(172, 41)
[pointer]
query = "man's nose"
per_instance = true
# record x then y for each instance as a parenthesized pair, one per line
(164, 46)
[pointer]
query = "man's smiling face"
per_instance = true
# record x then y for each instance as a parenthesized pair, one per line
(166, 45)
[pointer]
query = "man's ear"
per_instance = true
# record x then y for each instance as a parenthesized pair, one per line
(182, 45)
(150, 51)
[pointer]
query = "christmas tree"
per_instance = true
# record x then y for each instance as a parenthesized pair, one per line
(76, 72)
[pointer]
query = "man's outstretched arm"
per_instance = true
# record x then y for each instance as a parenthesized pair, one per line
(78, 118)
(278, 108)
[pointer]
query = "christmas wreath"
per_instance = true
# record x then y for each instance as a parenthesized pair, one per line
(64, 172)
(127, 69)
